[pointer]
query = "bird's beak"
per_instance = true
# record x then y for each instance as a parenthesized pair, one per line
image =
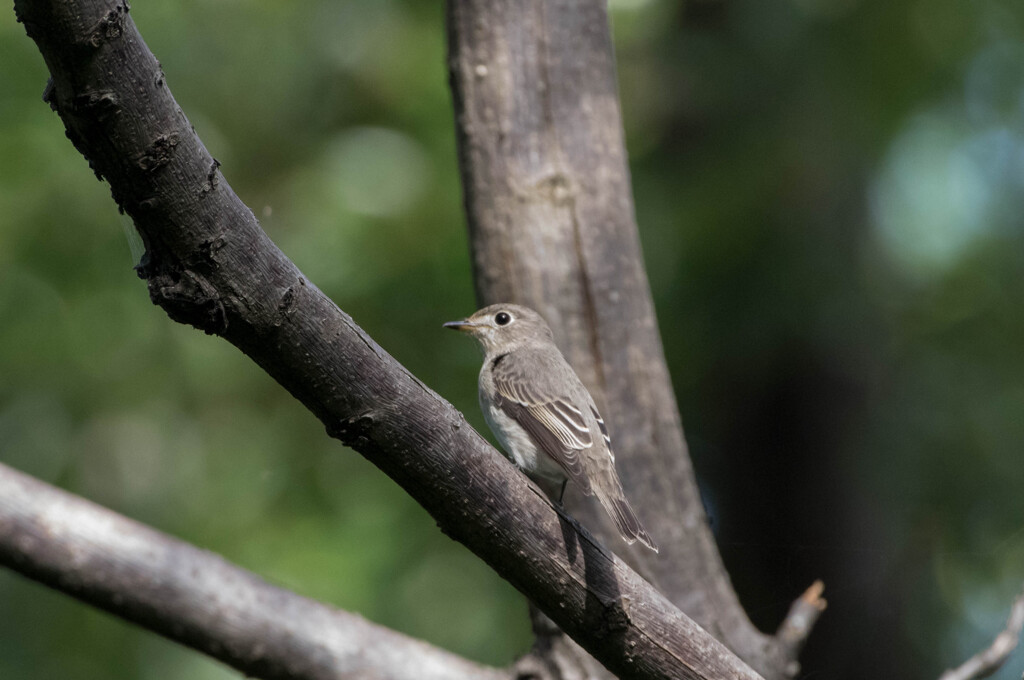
(462, 326)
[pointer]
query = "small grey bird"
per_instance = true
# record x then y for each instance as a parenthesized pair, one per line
(542, 414)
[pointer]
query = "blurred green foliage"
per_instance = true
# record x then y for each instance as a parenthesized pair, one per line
(831, 197)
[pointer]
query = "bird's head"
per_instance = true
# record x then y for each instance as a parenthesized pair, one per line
(504, 327)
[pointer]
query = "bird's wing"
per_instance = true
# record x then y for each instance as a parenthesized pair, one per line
(543, 404)
(603, 428)
(541, 392)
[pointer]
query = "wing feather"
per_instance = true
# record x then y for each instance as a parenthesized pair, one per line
(604, 431)
(551, 418)
(547, 403)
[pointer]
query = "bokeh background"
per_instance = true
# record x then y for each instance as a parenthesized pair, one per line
(831, 198)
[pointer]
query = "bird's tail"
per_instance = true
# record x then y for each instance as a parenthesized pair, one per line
(619, 509)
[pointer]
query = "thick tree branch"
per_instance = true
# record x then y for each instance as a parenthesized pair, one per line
(198, 599)
(550, 209)
(209, 264)
(989, 660)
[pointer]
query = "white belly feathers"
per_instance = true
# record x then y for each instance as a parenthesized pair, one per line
(518, 443)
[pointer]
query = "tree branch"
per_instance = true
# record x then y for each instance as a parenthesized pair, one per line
(197, 598)
(989, 660)
(800, 620)
(209, 264)
(552, 226)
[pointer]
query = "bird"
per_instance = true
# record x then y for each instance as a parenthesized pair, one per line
(542, 414)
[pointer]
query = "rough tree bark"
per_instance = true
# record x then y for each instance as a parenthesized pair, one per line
(210, 265)
(549, 203)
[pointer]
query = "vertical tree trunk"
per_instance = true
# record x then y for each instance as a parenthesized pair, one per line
(551, 219)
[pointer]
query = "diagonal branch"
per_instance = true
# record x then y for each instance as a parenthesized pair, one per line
(198, 599)
(209, 264)
(989, 660)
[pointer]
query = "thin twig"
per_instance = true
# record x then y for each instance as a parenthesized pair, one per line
(990, 659)
(803, 614)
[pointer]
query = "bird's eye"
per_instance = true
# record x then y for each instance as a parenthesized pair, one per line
(502, 318)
